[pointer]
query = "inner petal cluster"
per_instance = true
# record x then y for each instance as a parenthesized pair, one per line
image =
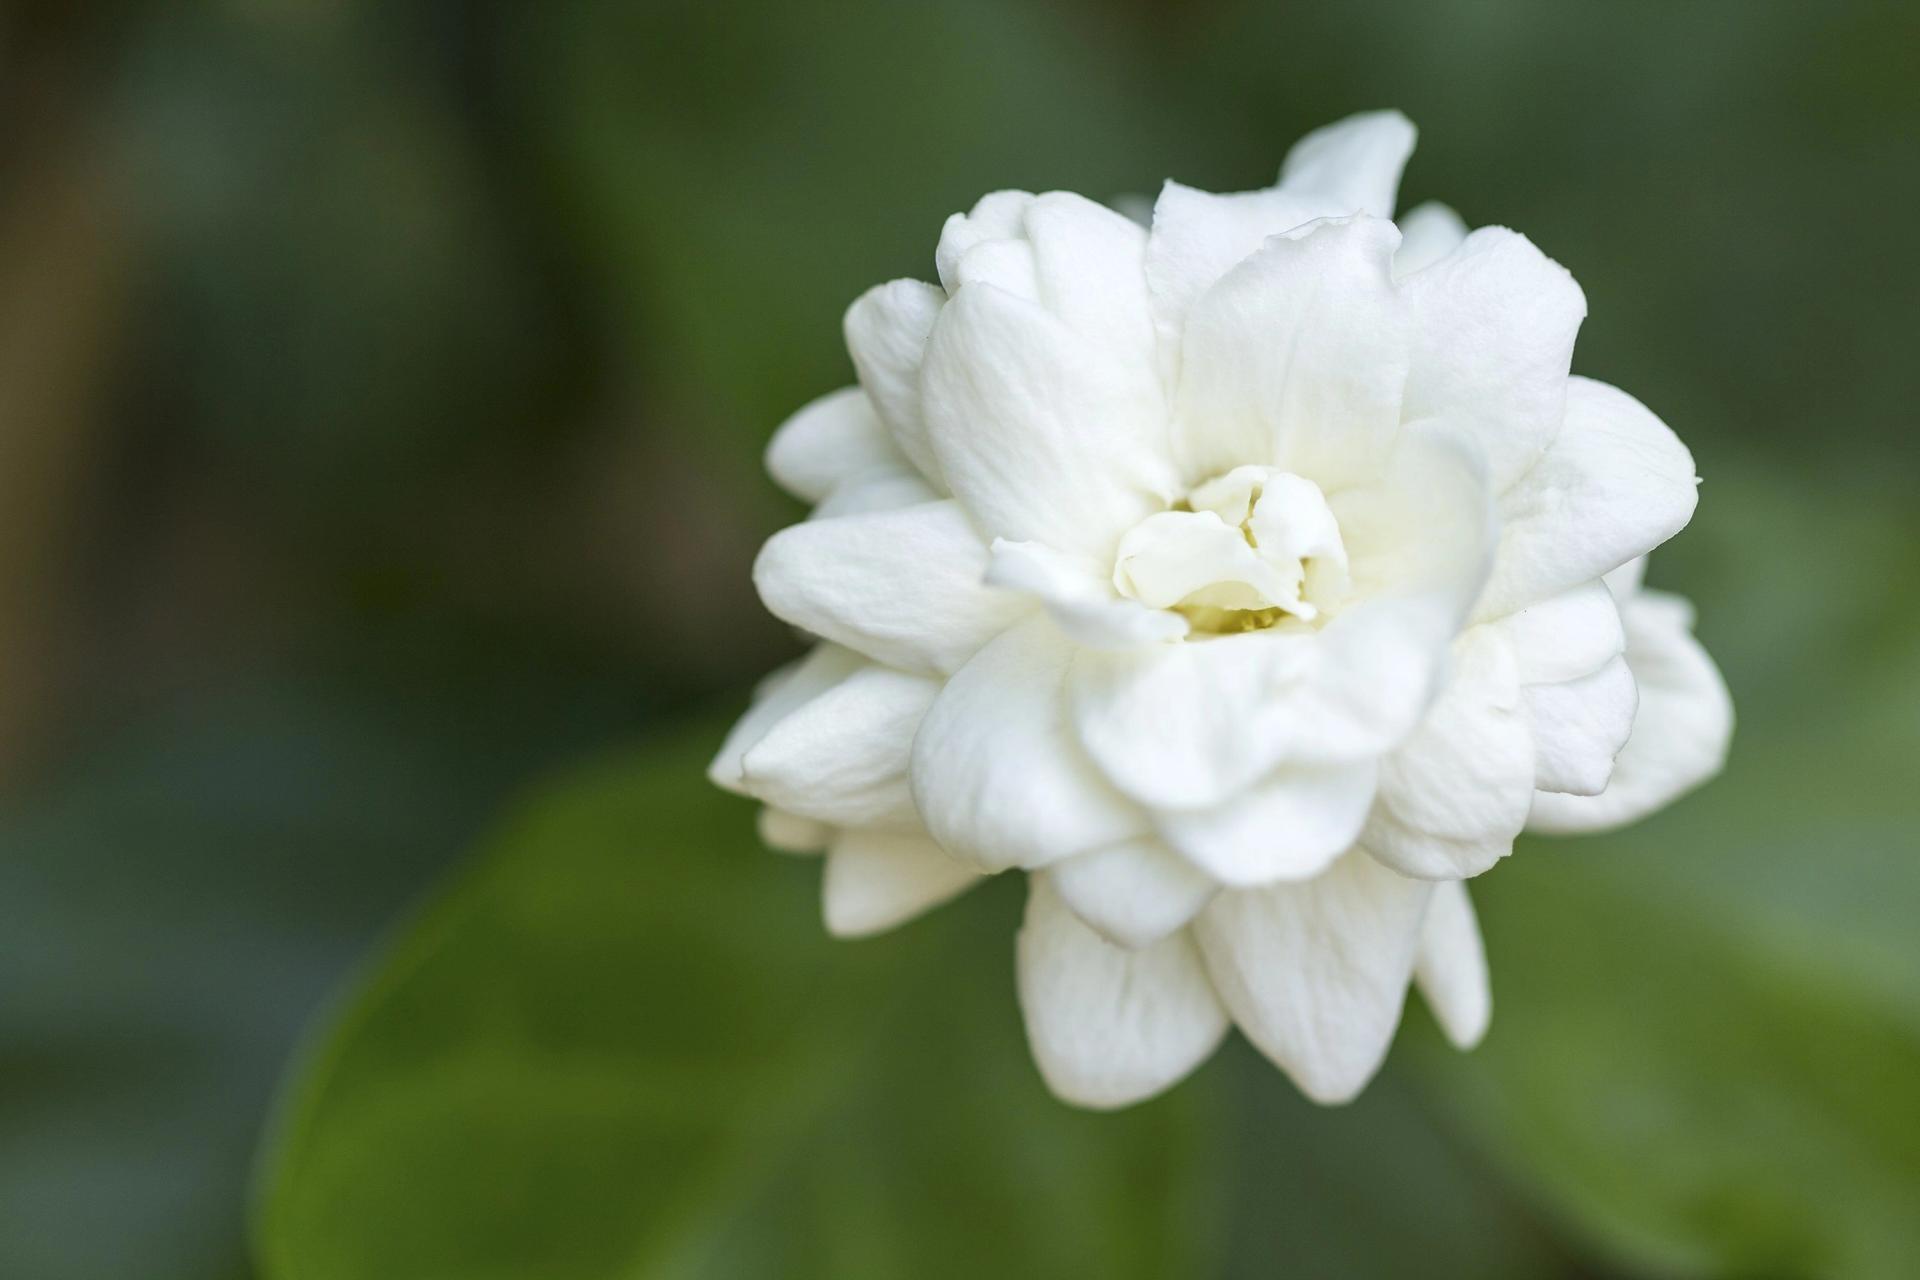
(1255, 548)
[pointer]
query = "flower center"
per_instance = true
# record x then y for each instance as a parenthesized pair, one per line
(1248, 550)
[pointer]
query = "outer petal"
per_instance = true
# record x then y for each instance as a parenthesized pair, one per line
(1079, 260)
(997, 776)
(828, 441)
(886, 331)
(1134, 893)
(901, 586)
(1679, 737)
(1353, 164)
(1198, 237)
(1316, 973)
(1566, 636)
(779, 695)
(1428, 233)
(1044, 436)
(1494, 324)
(1452, 967)
(1289, 827)
(1454, 797)
(1615, 484)
(791, 833)
(878, 879)
(1110, 1026)
(877, 489)
(1297, 357)
(1080, 598)
(1579, 726)
(842, 757)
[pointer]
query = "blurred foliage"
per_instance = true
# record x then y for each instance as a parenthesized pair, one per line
(623, 1046)
(324, 322)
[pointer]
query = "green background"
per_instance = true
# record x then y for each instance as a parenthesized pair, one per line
(382, 388)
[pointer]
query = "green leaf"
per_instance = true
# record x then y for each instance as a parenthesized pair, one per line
(624, 1047)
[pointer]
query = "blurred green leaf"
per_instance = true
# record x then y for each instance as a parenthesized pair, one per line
(623, 1047)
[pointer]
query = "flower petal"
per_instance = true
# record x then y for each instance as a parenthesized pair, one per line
(1680, 734)
(1198, 236)
(1189, 726)
(1080, 598)
(1079, 260)
(1565, 636)
(830, 440)
(791, 833)
(886, 330)
(1315, 973)
(877, 879)
(1109, 1026)
(1579, 726)
(1494, 324)
(1615, 484)
(1353, 164)
(881, 488)
(1456, 794)
(902, 586)
(779, 695)
(1134, 893)
(842, 757)
(1428, 233)
(1452, 967)
(1044, 436)
(1298, 358)
(1289, 827)
(997, 776)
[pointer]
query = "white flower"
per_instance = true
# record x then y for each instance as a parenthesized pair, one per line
(1249, 580)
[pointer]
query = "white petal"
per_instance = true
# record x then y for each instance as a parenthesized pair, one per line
(884, 488)
(779, 695)
(841, 758)
(1625, 581)
(1044, 436)
(1315, 973)
(1615, 484)
(1134, 893)
(902, 586)
(1289, 827)
(1081, 261)
(830, 440)
(1566, 636)
(1109, 1026)
(997, 776)
(1679, 737)
(1494, 324)
(1189, 726)
(1424, 528)
(877, 879)
(998, 215)
(886, 331)
(1428, 233)
(1579, 726)
(1198, 237)
(1298, 358)
(1080, 598)
(1454, 797)
(1452, 967)
(1353, 163)
(791, 833)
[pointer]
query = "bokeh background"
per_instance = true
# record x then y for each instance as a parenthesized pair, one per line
(382, 388)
